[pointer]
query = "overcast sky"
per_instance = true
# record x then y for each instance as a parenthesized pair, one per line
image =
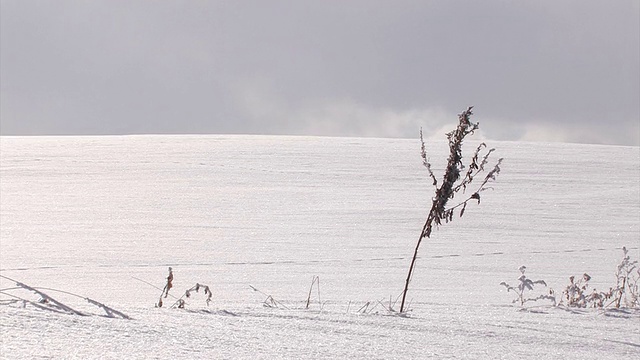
(534, 70)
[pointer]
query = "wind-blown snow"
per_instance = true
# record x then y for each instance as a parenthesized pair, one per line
(100, 216)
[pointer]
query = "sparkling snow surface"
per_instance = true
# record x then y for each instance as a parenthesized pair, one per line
(100, 216)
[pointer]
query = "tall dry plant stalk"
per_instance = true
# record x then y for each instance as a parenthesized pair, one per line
(455, 181)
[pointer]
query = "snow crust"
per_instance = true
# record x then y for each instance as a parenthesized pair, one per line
(100, 216)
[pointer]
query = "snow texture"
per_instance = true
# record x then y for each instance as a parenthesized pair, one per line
(104, 217)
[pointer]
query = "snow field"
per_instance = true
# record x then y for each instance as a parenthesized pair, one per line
(91, 215)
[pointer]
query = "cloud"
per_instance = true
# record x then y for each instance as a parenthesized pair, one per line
(576, 133)
(259, 103)
(356, 68)
(352, 119)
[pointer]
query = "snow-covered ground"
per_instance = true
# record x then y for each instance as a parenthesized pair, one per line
(104, 217)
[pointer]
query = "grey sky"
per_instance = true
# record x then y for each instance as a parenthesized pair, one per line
(535, 70)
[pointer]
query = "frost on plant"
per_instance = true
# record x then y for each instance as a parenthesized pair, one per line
(623, 294)
(627, 276)
(526, 286)
(576, 294)
(457, 178)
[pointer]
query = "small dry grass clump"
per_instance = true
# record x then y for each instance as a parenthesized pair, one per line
(269, 301)
(624, 294)
(196, 288)
(576, 294)
(525, 286)
(181, 302)
(579, 294)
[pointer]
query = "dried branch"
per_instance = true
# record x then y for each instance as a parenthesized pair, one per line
(181, 302)
(58, 306)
